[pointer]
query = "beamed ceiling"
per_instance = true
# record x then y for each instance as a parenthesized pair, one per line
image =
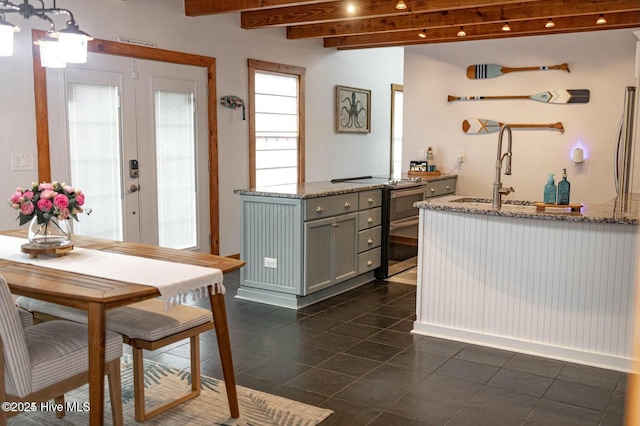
(377, 23)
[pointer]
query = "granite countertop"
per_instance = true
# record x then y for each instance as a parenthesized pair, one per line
(597, 213)
(321, 189)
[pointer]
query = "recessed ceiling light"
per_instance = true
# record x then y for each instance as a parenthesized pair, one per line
(506, 27)
(550, 24)
(351, 8)
(400, 5)
(461, 32)
(601, 20)
(422, 34)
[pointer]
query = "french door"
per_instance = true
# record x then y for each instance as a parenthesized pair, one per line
(132, 134)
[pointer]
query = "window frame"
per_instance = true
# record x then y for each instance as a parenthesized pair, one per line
(394, 89)
(299, 72)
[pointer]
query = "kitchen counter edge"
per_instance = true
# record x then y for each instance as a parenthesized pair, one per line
(594, 213)
(321, 189)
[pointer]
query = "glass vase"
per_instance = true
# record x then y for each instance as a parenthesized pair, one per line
(53, 233)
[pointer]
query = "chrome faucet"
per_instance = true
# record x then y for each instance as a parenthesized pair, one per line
(498, 190)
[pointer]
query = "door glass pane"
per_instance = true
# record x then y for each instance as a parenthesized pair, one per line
(176, 168)
(396, 144)
(94, 151)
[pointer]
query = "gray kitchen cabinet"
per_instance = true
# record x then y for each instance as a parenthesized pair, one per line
(331, 249)
(302, 250)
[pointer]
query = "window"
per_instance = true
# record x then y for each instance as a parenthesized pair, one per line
(396, 129)
(276, 126)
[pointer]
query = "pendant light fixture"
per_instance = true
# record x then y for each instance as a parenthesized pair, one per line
(601, 20)
(550, 24)
(422, 34)
(57, 48)
(506, 27)
(401, 5)
(461, 32)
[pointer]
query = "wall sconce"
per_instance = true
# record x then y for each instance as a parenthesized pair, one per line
(67, 45)
(577, 155)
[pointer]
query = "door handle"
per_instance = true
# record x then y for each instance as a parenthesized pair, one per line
(133, 188)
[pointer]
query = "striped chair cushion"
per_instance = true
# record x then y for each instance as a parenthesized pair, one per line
(16, 354)
(26, 319)
(145, 320)
(59, 349)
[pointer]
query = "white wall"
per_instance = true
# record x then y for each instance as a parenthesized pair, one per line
(602, 62)
(163, 22)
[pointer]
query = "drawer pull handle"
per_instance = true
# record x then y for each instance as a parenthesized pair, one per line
(347, 204)
(319, 209)
(335, 225)
(372, 200)
(433, 190)
(369, 262)
(370, 220)
(370, 241)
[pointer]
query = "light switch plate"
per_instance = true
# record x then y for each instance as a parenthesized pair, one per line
(21, 161)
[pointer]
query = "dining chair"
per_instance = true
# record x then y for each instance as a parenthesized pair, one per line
(144, 325)
(42, 362)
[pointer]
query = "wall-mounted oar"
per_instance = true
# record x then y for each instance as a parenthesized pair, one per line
(481, 71)
(481, 125)
(556, 96)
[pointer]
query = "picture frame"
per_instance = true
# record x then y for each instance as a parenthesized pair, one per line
(353, 110)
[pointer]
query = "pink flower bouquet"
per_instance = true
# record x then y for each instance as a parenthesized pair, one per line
(47, 201)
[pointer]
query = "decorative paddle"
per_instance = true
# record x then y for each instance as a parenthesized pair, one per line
(481, 125)
(556, 96)
(482, 71)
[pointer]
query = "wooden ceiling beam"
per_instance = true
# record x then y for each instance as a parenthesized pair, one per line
(213, 7)
(490, 14)
(336, 11)
(488, 31)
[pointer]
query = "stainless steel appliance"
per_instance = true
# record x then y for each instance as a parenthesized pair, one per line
(399, 248)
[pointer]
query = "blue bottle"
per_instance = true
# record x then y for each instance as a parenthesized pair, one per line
(564, 189)
(550, 190)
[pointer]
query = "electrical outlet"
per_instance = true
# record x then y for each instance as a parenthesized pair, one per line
(270, 262)
(461, 156)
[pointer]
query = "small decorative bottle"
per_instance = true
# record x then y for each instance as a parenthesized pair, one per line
(550, 190)
(564, 189)
(431, 165)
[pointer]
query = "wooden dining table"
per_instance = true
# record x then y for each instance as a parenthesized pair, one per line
(96, 295)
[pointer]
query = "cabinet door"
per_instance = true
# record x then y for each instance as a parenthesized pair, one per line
(345, 247)
(317, 254)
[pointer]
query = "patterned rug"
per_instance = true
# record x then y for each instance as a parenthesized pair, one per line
(210, 408)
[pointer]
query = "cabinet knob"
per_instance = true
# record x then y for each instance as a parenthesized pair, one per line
(347, 204)
(369, 262)
(448, 187)
(370, 220)
(370, 241)
(372, 200)
(319, 209)
(433, 190)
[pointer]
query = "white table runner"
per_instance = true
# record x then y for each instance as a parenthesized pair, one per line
(173, 280)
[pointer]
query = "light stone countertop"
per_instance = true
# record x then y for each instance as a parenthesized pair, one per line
(595, 213)
(321, 189)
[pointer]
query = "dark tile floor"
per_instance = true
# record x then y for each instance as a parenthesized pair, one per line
(354, 355)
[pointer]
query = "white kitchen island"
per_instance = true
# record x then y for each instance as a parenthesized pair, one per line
(555, 284)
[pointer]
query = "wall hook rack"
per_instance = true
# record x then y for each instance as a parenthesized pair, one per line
(233, 102)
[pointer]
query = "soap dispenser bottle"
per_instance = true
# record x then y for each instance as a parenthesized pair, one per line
(564, 189)
(550, 190)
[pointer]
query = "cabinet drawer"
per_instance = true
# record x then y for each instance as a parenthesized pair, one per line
(370, 199)
(369, 239)
(369, 260)
(441, 187)
(369, 218)
(316, 208)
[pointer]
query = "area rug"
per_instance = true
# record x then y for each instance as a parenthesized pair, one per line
(210, 408)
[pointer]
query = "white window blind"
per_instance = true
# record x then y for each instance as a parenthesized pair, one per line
(94, 151)
(276, 128)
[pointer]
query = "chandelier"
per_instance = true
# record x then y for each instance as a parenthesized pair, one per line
(57, 48)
